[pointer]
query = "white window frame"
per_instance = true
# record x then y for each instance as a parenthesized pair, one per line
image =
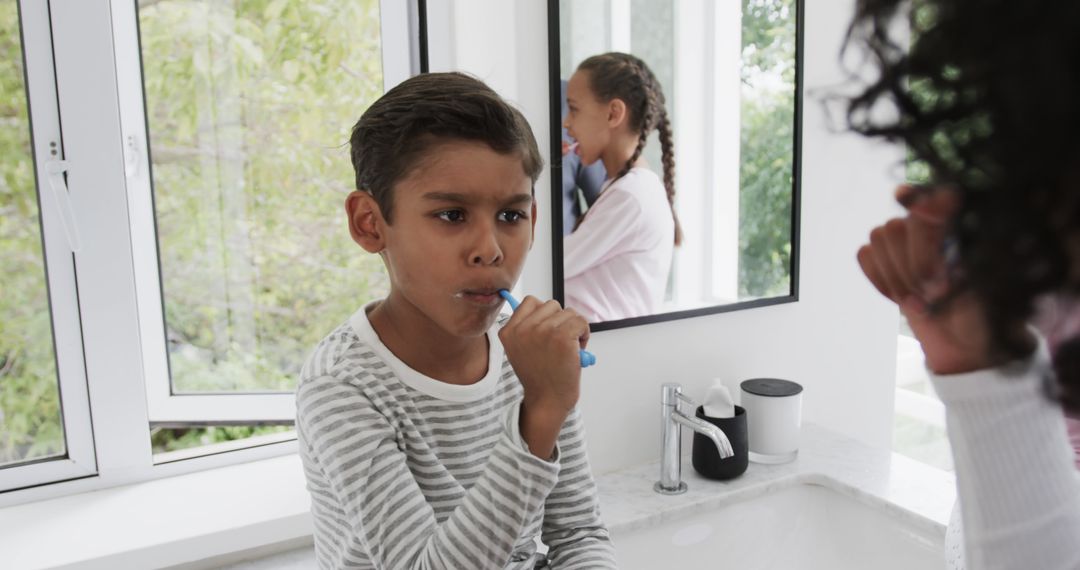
(912, 405)
(164, 406)
(60, 238)
(920, 407)
(400, 32)
(124, 377)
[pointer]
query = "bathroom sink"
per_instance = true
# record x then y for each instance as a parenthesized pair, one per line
(804, 526)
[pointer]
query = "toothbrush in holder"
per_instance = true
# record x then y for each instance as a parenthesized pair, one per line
(587, 358)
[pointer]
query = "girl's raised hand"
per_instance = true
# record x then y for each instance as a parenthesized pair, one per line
(906, 260)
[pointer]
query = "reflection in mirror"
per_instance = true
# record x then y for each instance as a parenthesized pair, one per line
(714, 87)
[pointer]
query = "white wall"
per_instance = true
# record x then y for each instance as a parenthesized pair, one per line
(839, 340)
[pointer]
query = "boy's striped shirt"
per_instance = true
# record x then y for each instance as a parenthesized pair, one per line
(408, 472)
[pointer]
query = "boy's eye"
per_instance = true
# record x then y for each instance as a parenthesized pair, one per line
(452, 216)
(511, 216)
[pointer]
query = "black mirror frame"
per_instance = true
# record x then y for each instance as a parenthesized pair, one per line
(555, 109)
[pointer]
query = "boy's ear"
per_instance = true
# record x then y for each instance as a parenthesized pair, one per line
(616, 112)
(365, 221)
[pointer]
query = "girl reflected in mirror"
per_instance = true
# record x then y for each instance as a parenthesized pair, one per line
(617, 260)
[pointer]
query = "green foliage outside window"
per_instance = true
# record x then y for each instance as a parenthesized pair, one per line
(166, 439)
(249, 106)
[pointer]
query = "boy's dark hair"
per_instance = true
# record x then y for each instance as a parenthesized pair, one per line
(402, 125)
(988, 97)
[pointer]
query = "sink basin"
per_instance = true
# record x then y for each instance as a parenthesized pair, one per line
(804, 526)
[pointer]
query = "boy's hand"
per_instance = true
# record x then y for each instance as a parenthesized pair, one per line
(542, 342)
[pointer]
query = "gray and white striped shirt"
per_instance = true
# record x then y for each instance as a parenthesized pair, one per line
(407, 472)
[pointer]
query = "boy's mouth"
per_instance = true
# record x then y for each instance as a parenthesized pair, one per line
(485, 296)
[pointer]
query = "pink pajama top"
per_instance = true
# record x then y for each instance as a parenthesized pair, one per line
(616, 264)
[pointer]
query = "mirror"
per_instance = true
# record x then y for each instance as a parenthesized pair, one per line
(731, 77)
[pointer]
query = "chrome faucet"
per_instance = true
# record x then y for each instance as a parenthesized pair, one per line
(671, 422)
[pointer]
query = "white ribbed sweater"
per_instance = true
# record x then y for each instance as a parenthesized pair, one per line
(1017, 485)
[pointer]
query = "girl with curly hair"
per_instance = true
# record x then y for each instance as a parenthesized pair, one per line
(986, 263)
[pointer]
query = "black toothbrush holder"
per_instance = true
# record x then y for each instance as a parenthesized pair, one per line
(705, 457)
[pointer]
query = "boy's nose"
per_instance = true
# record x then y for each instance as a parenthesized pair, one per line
(485, 248)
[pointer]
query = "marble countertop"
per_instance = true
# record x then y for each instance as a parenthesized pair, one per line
(902, 487)
(919, 494)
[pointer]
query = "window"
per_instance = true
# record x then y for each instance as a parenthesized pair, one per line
(919, 419)
(33, 426)
(205, 159)
(44, 411)
(246, 178)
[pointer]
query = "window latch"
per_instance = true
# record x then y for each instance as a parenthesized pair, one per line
(131, 156)
(56, 169)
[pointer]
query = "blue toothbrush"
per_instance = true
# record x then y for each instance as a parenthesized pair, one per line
(587, 358)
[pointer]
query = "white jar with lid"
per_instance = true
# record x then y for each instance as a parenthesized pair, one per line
(774, 416)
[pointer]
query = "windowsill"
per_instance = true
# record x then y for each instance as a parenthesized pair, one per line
(165, 522)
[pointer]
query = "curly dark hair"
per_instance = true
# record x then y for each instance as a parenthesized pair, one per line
(988, 97)
(399, 129)
(617, 75)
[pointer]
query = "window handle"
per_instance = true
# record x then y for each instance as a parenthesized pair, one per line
(62, 201)
(131, 156)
